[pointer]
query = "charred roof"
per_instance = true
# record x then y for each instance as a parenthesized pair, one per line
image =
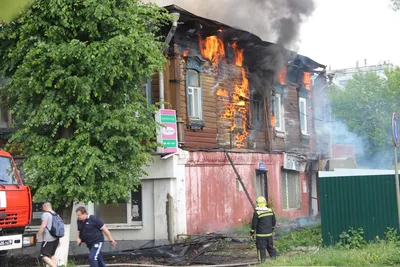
(191, 25)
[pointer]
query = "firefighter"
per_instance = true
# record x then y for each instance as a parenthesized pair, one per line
(262, 226)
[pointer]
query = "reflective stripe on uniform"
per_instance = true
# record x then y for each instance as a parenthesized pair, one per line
(264, 235)
(265, 214)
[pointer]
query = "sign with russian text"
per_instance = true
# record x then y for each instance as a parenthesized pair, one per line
(167, 134)
(261, 166)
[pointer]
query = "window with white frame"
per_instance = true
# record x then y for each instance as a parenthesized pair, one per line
(290, 189)
(303, 115)
(122, 212)
(195, 110)
(278, 110)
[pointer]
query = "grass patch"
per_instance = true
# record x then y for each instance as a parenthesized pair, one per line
(375, 254)
(306, 237)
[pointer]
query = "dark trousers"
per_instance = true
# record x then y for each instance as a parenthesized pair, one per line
(263, 244)
(95, 257)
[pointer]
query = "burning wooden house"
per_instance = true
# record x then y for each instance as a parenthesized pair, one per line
(249, 117)
(232, 91)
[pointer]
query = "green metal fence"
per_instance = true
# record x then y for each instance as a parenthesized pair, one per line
(357, 201)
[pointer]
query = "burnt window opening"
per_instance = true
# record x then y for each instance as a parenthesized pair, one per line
(257, 113)
(194, 100)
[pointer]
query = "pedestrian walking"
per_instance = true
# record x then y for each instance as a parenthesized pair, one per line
(90, 231)
(262, 226)
(49, 242)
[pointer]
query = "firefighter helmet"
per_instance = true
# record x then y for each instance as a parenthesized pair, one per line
(261, 202)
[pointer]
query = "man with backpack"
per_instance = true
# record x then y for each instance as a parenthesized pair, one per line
(51, 230)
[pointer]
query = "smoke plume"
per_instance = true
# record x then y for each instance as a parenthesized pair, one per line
(276, 21)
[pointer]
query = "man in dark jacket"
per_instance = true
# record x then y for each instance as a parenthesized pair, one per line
(90, 231)
(262, 226)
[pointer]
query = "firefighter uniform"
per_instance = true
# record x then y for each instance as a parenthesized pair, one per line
(262, 226)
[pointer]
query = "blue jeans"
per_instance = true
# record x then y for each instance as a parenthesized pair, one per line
(95, 257)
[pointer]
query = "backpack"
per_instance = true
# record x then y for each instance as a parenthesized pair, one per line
(57, 227)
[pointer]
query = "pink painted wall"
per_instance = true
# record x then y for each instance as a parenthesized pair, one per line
(213, 199)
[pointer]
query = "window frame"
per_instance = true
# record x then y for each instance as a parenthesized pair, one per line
(128, 205)
(191, 92)
(256, 115)
(194, 64)
(303, 101)
(279, 116)
(284, 175)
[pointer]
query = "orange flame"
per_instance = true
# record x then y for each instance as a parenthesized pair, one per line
(307, 80)
(273, 121)
(282, 76)
(239, 108)
(222, 92)
(212, 48)
(238, 55)
(186, 52)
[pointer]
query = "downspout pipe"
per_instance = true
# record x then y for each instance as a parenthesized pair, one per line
(164, 49)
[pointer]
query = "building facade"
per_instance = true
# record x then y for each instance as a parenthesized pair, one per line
(246, 125)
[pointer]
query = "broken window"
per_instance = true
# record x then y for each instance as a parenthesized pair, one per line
(290, 189)
(136, 205)
(122, 212)
(278, 110)
(303, 115)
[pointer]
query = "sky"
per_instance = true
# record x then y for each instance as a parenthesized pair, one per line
(337, 34)
(340, 32)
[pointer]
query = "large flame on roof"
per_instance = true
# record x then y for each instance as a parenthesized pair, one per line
(212, 48)
(236, 110)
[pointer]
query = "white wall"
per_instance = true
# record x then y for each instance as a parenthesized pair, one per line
(164, 176)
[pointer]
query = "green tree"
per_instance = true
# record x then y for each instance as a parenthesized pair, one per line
(365, 106)
(77, 69)
(11, 8)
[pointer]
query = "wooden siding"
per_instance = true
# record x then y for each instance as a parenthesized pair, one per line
(206, 137)
(217, 131)
(293, 141)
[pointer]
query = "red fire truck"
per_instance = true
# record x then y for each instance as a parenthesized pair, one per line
(15, 209)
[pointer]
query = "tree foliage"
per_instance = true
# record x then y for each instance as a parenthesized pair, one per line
(11, 8)
(76, 69)
(365, 106)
